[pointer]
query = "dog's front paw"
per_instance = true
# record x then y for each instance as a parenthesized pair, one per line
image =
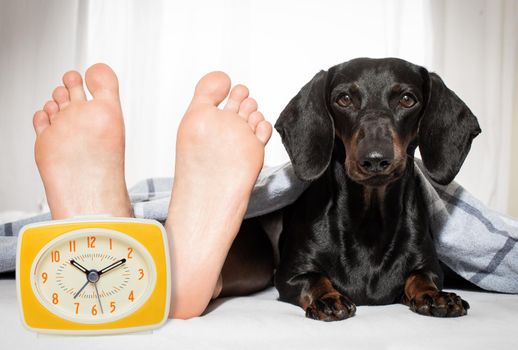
(331, 307)
(439, 304)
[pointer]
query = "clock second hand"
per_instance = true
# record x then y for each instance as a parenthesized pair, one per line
(80, 290)
(98, 298)
(93, 276)
(96, 291)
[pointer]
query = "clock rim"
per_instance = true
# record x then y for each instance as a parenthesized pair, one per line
(68, 235)
(121, 327)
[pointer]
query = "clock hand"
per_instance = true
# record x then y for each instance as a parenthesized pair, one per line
(112, 266)
(98, 298)
(78, 266)
(93, 276)
(80, 290)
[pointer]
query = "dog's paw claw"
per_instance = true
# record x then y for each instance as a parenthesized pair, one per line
(439, 304)
(331, 307)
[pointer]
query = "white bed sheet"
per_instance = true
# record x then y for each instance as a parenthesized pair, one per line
(260, 322)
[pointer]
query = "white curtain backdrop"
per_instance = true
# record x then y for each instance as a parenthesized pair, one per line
(475, 51)
(159, 49)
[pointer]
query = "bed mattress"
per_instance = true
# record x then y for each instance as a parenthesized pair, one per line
(260, 321)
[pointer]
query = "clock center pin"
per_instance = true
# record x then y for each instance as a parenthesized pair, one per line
(93, 276)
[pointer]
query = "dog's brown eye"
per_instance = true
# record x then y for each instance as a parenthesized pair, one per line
(344, 100)
(407, 101)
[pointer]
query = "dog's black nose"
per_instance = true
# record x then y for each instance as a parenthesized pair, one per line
(375, 162)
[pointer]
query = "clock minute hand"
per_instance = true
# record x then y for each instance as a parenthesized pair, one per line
(78, 266)
(112, 266)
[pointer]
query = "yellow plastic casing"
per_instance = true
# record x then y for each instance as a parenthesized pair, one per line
(152, 314)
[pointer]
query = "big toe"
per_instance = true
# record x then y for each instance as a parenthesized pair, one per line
(102, 82)
(212, 89)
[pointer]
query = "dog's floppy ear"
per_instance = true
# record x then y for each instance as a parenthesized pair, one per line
(446, 130)
(307, 129)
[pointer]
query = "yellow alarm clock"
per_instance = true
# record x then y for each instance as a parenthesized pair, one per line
(93, 275)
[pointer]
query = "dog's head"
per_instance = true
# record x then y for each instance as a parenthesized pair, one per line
(381, 110)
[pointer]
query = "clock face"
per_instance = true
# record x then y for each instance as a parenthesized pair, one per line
(93, 275)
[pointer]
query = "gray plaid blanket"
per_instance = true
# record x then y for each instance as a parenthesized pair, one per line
(477, 243)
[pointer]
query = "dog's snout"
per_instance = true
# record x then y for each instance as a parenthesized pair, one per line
(375, 150)
(375, 162)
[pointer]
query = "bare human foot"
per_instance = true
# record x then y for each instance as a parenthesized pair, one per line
(80, 147)
(219, 154)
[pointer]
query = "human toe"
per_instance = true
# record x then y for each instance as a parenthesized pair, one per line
(61, 96)
(255, 118)
(247, 107)
(238, 94)
(102, 82)
(212, 89)
(263, 131)
(74, 83)
(40, 121)
(51, 108)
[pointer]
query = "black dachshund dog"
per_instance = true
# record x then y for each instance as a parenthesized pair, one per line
(359, 235)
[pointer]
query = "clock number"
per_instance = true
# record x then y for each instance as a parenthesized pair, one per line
(112, 307)
(54, 256)
(130, 253)
(72, 246)
(90, 242)
(45, 277)
(77, 308)
(141, 274)
(55, 298)
(111, 244)
(131, 296)
(94, 310)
